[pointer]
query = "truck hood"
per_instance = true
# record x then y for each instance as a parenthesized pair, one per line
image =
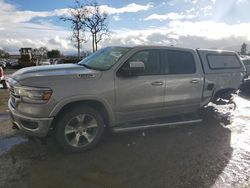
(42, 73)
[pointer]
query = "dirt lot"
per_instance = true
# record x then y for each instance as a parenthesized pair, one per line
(208, 154)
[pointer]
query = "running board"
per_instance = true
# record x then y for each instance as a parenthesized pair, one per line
(134, 128)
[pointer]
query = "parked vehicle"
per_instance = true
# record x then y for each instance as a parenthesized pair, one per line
(27, 58)
(13, 64)
(2, 79)
(44, 62)
(120, 88)
(246, 62)
(3, 64)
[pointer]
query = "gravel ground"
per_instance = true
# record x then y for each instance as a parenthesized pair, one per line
(209, 154)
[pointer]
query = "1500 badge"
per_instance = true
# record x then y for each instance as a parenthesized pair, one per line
(85, 76)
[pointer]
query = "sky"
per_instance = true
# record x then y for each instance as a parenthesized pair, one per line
(184, 23)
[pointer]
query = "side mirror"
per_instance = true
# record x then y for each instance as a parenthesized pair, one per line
(134, 68)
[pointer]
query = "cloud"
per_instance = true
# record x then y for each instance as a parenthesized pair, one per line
(34, 36)
(185, 28)
(213, 1)
(116, 17)
(206, 29)
(241, 1)
(191, 1)
(133, 7)
(18, 29)
(186, 34)
(170, 16)
(6, 6)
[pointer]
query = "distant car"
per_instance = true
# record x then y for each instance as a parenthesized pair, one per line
(44, 62)
(13, 64)
(59, 61)
(246, 62)
(3, 64)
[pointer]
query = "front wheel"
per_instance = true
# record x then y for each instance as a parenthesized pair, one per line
(79, 129)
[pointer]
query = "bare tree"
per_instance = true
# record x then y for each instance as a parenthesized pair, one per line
(76, 16)
(95, 22)
(39, 53)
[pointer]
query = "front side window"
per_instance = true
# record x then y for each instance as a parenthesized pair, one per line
(150, 58)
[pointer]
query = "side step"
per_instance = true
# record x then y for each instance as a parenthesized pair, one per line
(136, 127)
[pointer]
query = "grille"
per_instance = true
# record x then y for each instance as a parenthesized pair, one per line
(11, 89)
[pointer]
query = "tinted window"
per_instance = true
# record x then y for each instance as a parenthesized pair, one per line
(223, 61)
(150, 58)
(177, 62)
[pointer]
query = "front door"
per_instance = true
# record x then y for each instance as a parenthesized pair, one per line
(140, 96)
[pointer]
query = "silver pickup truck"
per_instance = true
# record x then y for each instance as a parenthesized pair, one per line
(122, 88)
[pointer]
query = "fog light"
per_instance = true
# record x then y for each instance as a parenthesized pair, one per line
(29, 124)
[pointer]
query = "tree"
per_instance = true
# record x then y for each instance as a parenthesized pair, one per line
(85, 53)
(243, 50)
(76, 15)
(4, 54)
(39, 53)
(54, 54)
(95, 21)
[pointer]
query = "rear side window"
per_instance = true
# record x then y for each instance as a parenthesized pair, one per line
(177, 62)
(223, 61)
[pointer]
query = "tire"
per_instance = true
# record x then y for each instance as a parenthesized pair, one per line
(79, 129)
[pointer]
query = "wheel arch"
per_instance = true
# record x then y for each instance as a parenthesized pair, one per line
(101, 107)
(223, 93)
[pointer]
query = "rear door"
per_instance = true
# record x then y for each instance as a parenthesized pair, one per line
(184, 81)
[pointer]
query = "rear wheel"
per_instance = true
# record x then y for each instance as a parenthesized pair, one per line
(79, 128)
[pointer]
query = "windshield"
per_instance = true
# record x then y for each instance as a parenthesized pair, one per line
(105, 58)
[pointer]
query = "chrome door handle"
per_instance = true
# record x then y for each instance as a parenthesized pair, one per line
(194, 81)
(157, 83)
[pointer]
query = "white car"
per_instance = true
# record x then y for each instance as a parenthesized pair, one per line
(44, 62)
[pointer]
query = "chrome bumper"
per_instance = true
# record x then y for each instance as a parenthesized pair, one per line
(42, 125)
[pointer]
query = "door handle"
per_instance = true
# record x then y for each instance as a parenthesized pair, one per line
(158, 83)
(194, 81)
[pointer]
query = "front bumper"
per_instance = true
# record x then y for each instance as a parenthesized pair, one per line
(37, 127)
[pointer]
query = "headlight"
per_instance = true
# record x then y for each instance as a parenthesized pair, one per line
(32, 94)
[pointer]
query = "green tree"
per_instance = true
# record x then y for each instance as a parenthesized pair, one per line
(243, 50)
(54, 54)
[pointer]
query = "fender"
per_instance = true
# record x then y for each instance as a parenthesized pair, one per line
(81, 98)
